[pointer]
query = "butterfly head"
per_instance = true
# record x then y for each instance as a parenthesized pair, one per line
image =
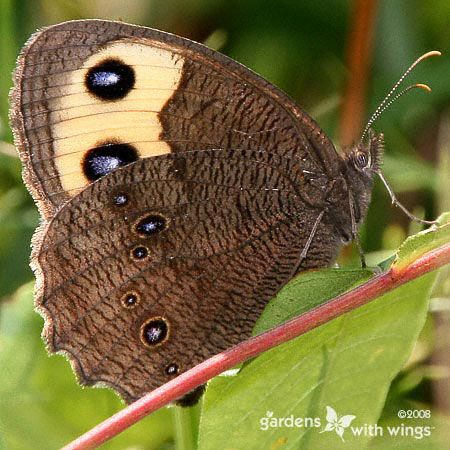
(363, 160)
(362, 163)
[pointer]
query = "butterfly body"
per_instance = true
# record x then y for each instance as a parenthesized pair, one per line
(179, 192)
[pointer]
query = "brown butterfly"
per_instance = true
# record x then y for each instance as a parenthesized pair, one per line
(179, 192)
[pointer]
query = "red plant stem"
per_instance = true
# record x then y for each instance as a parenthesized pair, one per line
(254, 346)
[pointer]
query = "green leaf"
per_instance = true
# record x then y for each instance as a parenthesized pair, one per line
(315, 288)
(41, 405)
(346, 364)
(423, 242)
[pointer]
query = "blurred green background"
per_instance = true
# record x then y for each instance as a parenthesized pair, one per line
(301, 46)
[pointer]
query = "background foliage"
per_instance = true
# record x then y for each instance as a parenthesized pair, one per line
(301, 47)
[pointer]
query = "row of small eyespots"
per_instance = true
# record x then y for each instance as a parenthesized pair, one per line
(154, 331)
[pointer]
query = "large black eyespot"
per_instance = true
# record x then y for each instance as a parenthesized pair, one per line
(99, 161)
(111, 79)
(151, 224)
(154, 331)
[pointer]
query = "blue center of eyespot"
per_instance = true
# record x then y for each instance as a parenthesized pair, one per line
(105, 78)
(104, 164)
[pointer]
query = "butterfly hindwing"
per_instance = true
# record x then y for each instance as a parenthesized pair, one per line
(169, 260)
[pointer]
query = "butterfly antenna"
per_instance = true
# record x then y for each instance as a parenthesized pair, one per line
(385, 104)
(388, 101)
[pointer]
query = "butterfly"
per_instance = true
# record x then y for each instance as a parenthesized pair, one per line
(179, 191)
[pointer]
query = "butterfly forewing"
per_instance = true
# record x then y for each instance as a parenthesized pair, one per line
(95, 95)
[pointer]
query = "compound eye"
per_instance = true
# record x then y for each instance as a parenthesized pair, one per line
(361, 160)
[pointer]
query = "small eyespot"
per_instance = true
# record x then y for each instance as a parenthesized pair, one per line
(111, 79)
(154, 331)
(130, 299)
(151, 224)
(121, 199)
(139, 252)
(172, 369)
(101, 160)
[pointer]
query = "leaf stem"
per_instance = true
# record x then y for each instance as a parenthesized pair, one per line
(184, 438)
(252, 347)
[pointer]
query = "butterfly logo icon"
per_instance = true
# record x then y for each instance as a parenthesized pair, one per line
(336, 423)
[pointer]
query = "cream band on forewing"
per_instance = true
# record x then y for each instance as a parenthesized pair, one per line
(81, 121)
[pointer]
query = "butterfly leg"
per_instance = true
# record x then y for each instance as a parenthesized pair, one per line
(311, 236)
(309, 242)
(398, 204)
(355, 235)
